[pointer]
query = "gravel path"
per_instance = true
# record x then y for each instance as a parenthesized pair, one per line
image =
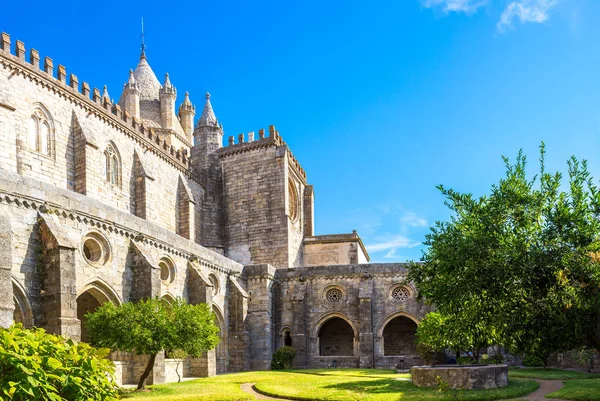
(546, 387)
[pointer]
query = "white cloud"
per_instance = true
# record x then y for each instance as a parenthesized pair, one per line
(412, 220)
(392, 243)
(525, 11)
(465, 6)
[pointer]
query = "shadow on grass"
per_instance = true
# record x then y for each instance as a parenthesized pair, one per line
(381, 386)
(341, 373)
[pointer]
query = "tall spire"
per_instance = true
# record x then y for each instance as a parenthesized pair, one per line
(208, 118)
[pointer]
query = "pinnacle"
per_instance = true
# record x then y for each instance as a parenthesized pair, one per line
(208, 117)
(105, 93)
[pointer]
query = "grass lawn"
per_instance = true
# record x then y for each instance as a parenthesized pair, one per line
(321, 384)
(584, 390)
(549, 374)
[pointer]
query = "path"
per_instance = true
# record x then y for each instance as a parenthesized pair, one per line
(249, 388)
(546, 387)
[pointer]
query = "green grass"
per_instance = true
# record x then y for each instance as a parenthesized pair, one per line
(582, 390)
(549, 374)
(320, 384)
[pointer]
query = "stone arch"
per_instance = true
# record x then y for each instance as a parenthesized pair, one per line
(113, 164)
(285, 335)
(40, 130)
(336, 335)
(169, 298)
(395, 335)
(23, 312)
(90, 298)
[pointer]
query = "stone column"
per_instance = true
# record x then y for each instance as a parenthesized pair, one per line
(238, 338)
(7, 306)
(259, 322)
(146, 273)
(200, 290)
(146, 284)
(365, 322)
(299, 328)
(59, 285)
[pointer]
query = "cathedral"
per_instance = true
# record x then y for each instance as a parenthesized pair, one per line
(104, 201)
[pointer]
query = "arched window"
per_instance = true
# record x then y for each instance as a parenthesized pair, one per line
(39, 132)
(113, 165)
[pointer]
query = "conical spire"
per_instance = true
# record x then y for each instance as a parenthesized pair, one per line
(167, 83)
(131, 80)
(208, 118)
(187, 104)
(105, 93)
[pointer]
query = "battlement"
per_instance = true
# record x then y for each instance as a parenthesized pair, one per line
(90, 100)
(246, 143)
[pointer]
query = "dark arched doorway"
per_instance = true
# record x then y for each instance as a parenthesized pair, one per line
(336, 338)
(399, 337)
(86, 303)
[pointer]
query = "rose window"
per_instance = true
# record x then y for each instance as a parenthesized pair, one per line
(400, 294)
(334, 295)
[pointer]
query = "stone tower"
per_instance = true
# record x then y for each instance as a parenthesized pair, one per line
(131, 97)
(186, 116)
(208, 139)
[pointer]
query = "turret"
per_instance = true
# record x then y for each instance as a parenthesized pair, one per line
(208, 135)
(131, 96)
(167, 95)
(187, 111)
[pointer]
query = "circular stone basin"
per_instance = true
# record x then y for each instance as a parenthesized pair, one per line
(463, 377)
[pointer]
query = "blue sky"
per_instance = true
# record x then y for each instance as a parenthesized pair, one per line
(380, 101)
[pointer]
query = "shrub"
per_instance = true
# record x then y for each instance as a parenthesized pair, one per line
(496, 360)
(532, 360)
(282, 358)
(464, 360)
(35, 365)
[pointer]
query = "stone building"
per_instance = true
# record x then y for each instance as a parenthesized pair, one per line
(104, 201)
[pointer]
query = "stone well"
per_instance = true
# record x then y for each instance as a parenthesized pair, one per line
(464, 377)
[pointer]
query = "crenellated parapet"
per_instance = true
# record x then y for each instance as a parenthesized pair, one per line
(249, 142)
(69, 87)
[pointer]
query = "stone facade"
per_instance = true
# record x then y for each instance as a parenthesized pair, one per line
(116, 202)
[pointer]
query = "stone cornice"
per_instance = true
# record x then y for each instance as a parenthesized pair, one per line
(45, 206)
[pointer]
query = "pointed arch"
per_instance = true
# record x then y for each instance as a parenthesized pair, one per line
(112, 164)
(40, 131)
(169, 298)
(336, 335)
(23, 312)
(93, 295)
(388, 318)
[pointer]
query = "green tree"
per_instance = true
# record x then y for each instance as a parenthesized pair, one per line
(519, 266)
(150, 326)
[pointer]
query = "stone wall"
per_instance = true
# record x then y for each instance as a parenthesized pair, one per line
(367, 297)
(81, 130)
(263, 191)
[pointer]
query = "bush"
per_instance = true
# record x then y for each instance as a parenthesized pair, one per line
(35, 365)
(532, 360)
(282, 358)
(464, 360)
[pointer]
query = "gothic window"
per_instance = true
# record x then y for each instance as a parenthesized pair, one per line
(113, 165)
(167, 270)
(334, 295)
(39, 133)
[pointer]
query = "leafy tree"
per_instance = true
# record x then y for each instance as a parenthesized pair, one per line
(519, 266)
(150, 326)
(35, 365)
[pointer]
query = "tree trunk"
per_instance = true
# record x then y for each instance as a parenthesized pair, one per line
(142, 382)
